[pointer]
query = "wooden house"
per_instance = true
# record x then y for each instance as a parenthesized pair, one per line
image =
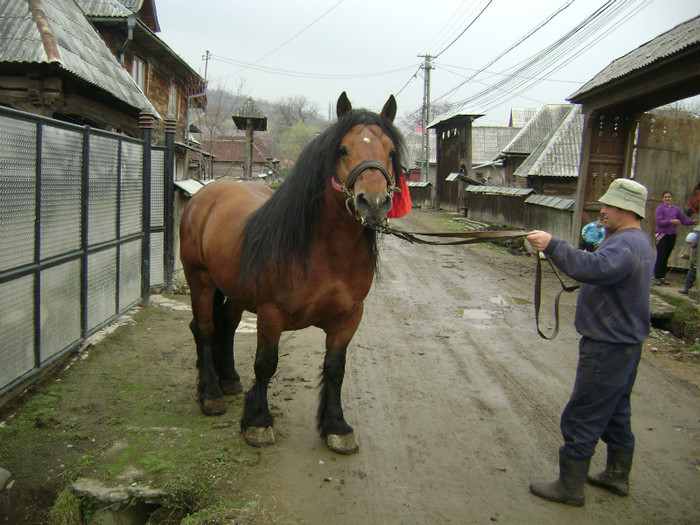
(487, 144)
(552, 167)
(51, 73)
(228, 158)
(528, 139)
(129, 29)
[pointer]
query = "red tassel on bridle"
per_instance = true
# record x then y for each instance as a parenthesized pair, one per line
(401, 200)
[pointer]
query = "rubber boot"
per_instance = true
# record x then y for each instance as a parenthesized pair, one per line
(616, 475)
(569, 487)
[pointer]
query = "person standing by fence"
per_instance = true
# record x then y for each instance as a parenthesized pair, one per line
(668, 216)
(692, 241)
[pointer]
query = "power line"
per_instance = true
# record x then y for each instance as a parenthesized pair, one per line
(510, 48)
(464, 30)
(301, 74)
(287, 41)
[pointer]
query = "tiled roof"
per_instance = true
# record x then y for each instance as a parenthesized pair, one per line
(539, 127)
(489, 141)
(680, 37)
(558, 155)
(67, 40)
(231, 148)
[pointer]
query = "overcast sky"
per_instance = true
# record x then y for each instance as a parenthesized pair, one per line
(371, 48)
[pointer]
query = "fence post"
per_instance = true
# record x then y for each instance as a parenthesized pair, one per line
(146, 121)
(169, 207)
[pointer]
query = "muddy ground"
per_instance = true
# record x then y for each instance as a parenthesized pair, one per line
(454, 398)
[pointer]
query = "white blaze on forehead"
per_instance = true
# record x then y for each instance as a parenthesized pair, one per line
(366, 139)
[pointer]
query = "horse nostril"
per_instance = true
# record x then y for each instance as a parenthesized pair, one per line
(361, 202)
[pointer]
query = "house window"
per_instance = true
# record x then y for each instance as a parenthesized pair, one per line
(173, 101)
(138, 73)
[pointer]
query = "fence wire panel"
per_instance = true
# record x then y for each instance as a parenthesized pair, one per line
(61, 179)
(16, 328)
(102, 189)
(157, 217)
(17, 191)
(72, 236)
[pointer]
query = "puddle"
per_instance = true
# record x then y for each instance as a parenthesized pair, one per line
(509, 301)
(476, 314)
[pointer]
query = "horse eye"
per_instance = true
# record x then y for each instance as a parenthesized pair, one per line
(343, 151)
(392, 154)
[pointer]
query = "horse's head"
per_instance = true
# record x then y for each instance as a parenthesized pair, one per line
(365, 163)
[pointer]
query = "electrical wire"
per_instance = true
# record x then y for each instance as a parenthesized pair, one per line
(553, 57)
(464, 30)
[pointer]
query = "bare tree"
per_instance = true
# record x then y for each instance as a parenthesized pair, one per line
(296, 108)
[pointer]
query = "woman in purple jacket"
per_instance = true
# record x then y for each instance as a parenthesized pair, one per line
(668, 217)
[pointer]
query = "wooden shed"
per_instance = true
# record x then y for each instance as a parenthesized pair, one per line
(663, 70)
(454, 154)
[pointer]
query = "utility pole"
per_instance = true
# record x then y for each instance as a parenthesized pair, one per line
(206, 58)
(425, 117)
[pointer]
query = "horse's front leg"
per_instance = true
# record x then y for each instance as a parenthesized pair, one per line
(257, 421)
(331, 423)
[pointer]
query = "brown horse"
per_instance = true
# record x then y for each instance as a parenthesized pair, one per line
(302, 256)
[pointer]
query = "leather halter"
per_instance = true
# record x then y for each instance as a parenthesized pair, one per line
(347, 187)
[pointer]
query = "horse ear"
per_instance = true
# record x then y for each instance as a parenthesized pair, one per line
(389, 109)
(343, 105)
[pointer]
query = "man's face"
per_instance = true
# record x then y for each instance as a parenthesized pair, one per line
(612, 217)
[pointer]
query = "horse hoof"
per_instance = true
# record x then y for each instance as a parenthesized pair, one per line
(345, 444)
(230, 387)
(259, 436)
(213, 407)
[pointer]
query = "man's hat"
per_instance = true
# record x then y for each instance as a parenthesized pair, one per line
(627, 195)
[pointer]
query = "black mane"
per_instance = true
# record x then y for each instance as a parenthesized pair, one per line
(279, 233)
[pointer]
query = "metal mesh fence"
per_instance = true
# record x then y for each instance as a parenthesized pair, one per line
(71, 236)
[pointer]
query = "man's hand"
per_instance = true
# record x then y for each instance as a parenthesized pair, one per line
(539, 240)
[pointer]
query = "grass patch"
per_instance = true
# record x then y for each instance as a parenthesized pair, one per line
(127, 413)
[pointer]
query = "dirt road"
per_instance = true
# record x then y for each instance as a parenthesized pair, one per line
(456, 402)
(454, 398)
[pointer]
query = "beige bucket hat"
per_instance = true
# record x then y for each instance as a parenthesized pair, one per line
(626, 194)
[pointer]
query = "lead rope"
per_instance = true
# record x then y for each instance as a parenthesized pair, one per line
(538, 297)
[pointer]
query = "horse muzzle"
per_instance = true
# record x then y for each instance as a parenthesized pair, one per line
(367, 203)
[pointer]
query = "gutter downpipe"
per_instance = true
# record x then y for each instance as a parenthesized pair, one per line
(130, 24)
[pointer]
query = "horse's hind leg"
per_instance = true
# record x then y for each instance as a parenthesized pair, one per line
(211, 399)
(331, 422)
(226, 319)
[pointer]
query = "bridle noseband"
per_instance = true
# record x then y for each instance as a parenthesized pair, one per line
(347, 187)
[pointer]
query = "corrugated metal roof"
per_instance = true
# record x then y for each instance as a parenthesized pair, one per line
(104, 8)
(500, 190)
(559, 154)
(418, 184)
(69, 41)
(551, 201)
(489, 141)
(680, 37)
(546, 119)
(190, 186)
(521, 116)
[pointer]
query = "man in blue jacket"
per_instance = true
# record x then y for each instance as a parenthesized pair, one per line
(612, 316)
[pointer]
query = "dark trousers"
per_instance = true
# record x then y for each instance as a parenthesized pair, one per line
(599, 407)
(663, 251)
(690, 278)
